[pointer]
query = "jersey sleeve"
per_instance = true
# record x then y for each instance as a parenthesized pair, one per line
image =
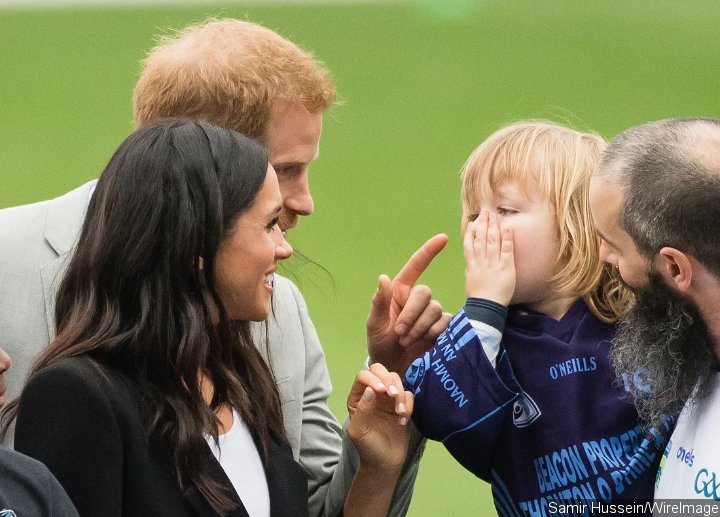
(461, 398)
(487, 318)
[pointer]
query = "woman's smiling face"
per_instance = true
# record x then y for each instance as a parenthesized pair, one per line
(247, 258)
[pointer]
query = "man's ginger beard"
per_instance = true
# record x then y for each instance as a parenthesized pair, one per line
(287, 220)
(663, 338)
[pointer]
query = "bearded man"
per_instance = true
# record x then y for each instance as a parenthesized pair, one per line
(655, 200)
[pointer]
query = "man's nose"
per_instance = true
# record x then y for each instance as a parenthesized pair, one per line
(5, 361)
(297, 197)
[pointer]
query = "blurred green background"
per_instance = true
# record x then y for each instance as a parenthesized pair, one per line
(423, 83)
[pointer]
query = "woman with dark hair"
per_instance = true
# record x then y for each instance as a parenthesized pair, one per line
(152, 399)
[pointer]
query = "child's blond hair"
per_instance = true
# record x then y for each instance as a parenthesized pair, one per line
(560, 161)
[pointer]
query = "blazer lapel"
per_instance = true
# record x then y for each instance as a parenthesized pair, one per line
(62, 226)
(287, 483)
(201, 506)
(287, 486)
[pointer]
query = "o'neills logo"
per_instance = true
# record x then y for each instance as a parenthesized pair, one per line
(574, 365)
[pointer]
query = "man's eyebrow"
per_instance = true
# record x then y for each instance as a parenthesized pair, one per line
(289, 163)
(292, 161)
(286, 163)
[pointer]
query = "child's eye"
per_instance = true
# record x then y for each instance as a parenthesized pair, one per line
(503, 210)
(472, 217)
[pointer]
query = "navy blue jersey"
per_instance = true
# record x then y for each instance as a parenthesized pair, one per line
(548, 424)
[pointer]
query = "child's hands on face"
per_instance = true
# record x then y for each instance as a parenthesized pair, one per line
(490, 271)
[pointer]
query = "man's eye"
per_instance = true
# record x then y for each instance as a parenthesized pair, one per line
(287, 171)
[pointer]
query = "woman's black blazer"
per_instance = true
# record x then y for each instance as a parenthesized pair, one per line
(86, 424)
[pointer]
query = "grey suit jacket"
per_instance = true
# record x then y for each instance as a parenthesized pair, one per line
(35, 244)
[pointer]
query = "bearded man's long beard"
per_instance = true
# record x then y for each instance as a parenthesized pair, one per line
(663, 352)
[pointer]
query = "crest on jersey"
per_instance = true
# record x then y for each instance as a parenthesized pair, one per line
(525, 411)
(417, 369)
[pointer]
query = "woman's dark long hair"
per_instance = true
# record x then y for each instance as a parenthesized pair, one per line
(136, 295)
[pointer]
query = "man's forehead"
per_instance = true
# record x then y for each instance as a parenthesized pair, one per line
(606, 198)
(283, 113)
(294, 133)
(610, 168)
(606, 186)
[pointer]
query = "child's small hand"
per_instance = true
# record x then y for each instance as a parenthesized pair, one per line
(490, 271)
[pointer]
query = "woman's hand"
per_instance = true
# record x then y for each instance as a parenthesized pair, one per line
(490, 271)
(379, 410)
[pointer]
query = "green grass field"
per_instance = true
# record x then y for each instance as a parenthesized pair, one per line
(422, 86)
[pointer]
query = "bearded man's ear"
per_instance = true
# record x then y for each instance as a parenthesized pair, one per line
(675, 267)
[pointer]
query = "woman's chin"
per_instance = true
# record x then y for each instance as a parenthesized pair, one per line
(259, 314)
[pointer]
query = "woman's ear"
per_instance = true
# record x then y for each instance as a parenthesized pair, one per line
(201, 263)
(675, 267)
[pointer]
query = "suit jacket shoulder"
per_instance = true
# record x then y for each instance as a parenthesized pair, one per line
(35, 241)
(28, 488)
(50, 225)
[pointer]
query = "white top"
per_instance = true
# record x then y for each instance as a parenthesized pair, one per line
(241, 461)
(690, 467)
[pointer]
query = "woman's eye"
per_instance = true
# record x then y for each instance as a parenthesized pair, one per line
(272, 224)
(503, 210)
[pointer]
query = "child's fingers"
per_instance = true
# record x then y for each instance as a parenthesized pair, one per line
(481, 234)
(493, 237)
(468, 240)
(507, 248)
